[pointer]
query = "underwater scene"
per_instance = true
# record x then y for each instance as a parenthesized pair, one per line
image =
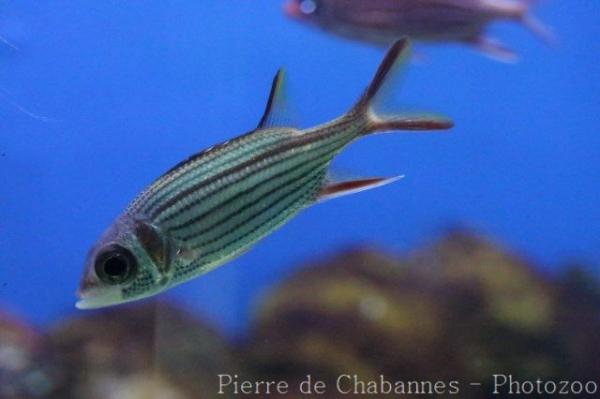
(299, 199)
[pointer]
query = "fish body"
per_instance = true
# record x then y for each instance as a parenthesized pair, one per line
(218, 203)
(382, 22)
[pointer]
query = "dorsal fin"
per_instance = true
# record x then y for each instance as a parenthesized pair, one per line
(276, 112)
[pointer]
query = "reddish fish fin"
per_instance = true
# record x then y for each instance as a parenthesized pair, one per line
(412, 122)
(338, 189)
(381, 89)
(385, 77)
(522, 13)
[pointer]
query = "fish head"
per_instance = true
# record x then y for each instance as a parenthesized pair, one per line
(129, 262)
(305, 10)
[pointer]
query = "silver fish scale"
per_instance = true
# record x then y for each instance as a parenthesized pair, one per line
(203, 165)
(237, 246)
(219, 220)
(284, 141)
(238, 179)
(221, 211)
(241, 212)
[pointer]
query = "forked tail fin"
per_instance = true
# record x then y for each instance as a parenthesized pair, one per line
(383, 83)
(538, 28)
(520, 11)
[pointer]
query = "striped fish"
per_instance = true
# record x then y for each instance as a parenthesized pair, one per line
(218, 203)
(382, 22)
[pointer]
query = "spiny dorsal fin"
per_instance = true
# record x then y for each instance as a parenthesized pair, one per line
(338, 189)
(276, 112)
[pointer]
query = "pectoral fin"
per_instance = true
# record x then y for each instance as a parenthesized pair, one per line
(338, 189)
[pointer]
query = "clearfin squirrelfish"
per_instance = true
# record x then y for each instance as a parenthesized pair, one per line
(218, 203)
(382, 22)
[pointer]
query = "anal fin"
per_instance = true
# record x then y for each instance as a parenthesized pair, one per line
(338, 189)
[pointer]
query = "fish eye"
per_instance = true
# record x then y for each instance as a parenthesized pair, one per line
(115, 265)
(308, 6)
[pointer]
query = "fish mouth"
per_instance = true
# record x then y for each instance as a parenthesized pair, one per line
(292, 9)
(94, 299)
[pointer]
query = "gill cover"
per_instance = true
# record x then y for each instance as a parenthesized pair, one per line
(156, 246)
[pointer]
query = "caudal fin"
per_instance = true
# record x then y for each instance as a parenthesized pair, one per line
(533, 24)
(538, 28)
(369, 105)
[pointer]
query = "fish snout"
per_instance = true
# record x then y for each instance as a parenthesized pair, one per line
(292, 9)
(99, 297)
(88, 283)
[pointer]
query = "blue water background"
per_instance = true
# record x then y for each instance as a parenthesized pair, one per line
(124, 90)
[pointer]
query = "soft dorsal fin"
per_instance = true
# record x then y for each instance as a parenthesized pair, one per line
(276, 112)
(338, 189)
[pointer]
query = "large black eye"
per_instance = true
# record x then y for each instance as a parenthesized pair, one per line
(115, 265)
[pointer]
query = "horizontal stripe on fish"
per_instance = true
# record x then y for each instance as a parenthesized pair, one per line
(298, 162)
(175, 206)
(160, 212)
(207, 163)
(248, 231)
(203, 169)
(246, 181)
(280, 200)
(260, 228)
(244, 202)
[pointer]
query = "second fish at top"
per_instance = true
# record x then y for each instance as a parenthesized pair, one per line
(381, 22)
